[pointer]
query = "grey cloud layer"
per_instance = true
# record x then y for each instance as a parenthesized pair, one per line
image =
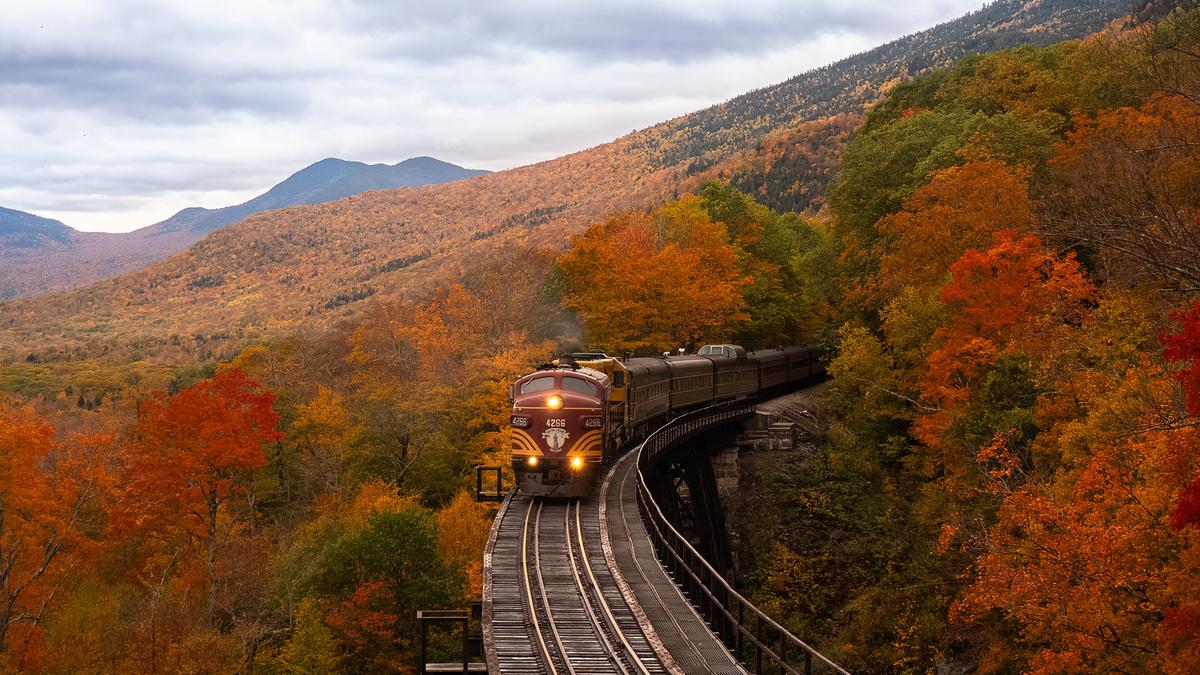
(144, 102)
(668, 31)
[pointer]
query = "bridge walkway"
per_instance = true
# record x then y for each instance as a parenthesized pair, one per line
(685, 640)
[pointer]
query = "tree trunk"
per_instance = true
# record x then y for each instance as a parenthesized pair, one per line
(154, 638)
(4, 617)
(213, 503)
(251, 652)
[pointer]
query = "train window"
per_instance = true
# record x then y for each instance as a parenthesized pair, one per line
(537, 384)
(578, 386)
(618, 379)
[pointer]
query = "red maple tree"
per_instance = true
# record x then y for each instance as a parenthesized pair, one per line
(1184, 346)
(193, 451)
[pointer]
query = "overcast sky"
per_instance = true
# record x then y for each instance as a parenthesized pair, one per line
(116, 114)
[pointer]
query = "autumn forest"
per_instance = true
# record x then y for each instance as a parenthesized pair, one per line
(1001, 258)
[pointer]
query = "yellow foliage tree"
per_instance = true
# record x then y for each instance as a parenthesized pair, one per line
(462, 533)
(323, 428)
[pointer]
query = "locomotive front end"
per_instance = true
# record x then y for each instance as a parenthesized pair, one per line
(558, 426)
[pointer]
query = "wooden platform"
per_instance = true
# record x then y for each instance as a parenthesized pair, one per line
(455, 668)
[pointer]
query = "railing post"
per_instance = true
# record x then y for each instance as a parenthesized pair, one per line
(713, 605)
(424, 640)
(727, 634)
(759, 643)
(466, 646)
(782, 654)
(807, 663)
(691, 578)
(741, 622)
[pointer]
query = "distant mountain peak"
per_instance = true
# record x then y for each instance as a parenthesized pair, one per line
(426, 159)
(325, 180)
(19, 229)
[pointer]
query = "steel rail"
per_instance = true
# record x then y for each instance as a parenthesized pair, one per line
(537, 566)
(547, 657)
(603, 602)
(589, 610)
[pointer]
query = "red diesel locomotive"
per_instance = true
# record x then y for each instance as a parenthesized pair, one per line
(558, 424)
(568, 418)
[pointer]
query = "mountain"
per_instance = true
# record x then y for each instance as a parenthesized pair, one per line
(314, 265)
(41, 255)
(324, 181)
(25, 230)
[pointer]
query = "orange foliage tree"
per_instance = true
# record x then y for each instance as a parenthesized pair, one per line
(960, 208)
(1089, 564)
(1013, 297)
(463, 527)
(433, 365)
(1128, 185)
(47, 492)
(193, 452)
(646, 282)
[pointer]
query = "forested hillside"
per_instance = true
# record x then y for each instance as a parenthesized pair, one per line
(790, 169)
(41, 256)
(1010, 479)
(317, 264)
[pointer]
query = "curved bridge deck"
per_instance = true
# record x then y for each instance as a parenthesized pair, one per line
(576, 585)
(572, 586)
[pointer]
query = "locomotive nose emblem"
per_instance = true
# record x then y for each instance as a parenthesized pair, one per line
(556, 438)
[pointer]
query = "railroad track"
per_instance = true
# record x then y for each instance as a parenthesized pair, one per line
(558, 610)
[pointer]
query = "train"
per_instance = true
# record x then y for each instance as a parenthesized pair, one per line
(572, 416)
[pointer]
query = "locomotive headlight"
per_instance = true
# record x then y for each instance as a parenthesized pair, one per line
(519, 421)
(576, 462)
(532, 461)
(593, 422)
(554, 402)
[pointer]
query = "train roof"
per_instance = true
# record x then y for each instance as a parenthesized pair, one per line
(732, 351)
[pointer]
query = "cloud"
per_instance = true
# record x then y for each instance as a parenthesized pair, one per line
(112, 114)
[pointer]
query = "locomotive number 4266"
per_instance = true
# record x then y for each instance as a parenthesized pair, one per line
(556, 424)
